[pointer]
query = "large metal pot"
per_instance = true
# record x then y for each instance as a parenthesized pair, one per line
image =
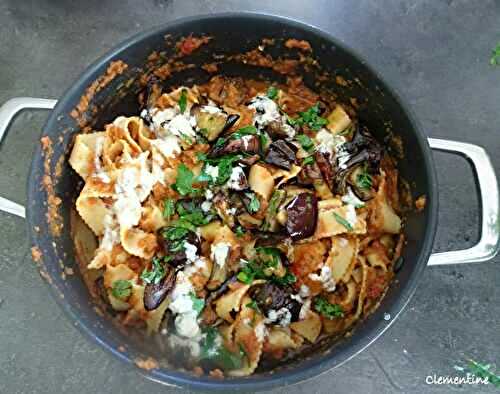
(52, 185)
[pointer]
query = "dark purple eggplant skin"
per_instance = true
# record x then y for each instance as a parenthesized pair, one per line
(249, 144)
(155, 293)
(270, 296)
(325, 166)
(230, 121)
(249, 160)
(281, 154)
(309, 174)
(302, 216)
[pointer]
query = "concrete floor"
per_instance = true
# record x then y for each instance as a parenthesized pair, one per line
(434, 51)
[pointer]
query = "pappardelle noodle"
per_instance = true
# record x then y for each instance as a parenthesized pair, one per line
(243, 220)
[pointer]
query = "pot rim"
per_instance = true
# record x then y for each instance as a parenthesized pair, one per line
(308, 368)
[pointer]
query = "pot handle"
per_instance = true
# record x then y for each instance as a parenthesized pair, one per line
(487, 187)
(7, 113)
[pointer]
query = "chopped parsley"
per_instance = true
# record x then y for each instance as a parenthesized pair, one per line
(310, 118)
(272, 92)
(157, 272)
(253, 304)
(184, 181)
(495, 56)
(121, 289)
(183, 101)
(306, 142)
(286, 279)
(364, 180)
(224, 165)
(328, 310)
(239, 231)
(342, 221)
(168, 208)
(308, 160)
(254, 204)
(213, 349)
(198, 303)
(255, 269)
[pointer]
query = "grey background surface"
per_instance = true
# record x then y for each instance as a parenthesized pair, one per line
(436, 52)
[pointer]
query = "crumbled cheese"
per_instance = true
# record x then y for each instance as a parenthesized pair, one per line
(191, 252)
(246, 140)
(219, 252)
(160, 118)
(176, 342)
(327, 142)
(212, 171)
(232, 211)
(266, 111)
(247, 321)
(304, 291)
(180, 126)
(351, 215)
(282, 317)
(186, 321)
(325, 277)
(206, 206)
(296, 297)
(289, 130)
(234, 181)
(168, 146)
(351, 199)
(209, 194)
(111, 235)
(211, 109)
(186, 324)
(304, 310)
(260, 332)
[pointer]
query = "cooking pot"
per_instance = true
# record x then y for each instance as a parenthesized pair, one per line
(53, 186)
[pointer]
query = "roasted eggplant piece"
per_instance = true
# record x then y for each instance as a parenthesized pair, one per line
(278, 129)
(269, 239)
(281, 154)
(269, 296)
(302, 216)
(309, 174)
(325, 166)
(149, 98)
(212, 124)
(155, 293)
(249, 160)
(176, 251)
(363, 151)
(245, 144)
(221, 205)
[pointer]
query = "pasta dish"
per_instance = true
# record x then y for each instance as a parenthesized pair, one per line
(243, 220)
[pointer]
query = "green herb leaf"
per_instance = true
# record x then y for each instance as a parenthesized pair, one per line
(245, 277)
(168, 208)
(156, 274)
(121, 289)
(308, 160)
(239, 231)
(330, 311)
(495, 56)
(198, 303)
(184, 181)
(311, 118)
(342, 221)
(285, 280)
(272, 92)
(253, 304)
(213, 350)
(306, 142)
(254, 205)
(364, 180)
(183, 101)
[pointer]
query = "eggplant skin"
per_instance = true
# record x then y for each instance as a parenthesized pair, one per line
(302, 216)
(281, 154)
(270, 296)
(247, 144)
(155, 293)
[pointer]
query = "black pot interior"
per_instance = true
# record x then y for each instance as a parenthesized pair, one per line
(379, 109)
